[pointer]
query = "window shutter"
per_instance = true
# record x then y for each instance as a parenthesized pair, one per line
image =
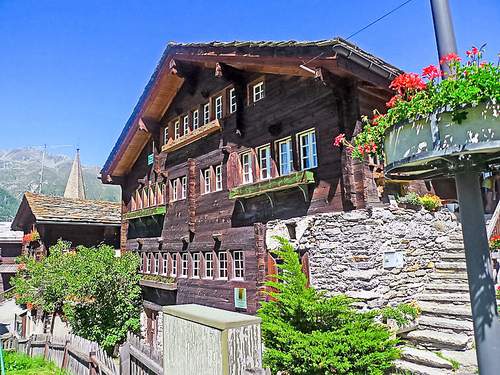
(234, 173)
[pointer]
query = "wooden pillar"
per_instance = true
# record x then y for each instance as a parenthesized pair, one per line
(260, 255)
(123, 230)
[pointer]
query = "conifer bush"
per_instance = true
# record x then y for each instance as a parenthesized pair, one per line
(308, 333)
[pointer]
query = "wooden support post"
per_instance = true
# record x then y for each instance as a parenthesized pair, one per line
(65, 360)
(46, 348)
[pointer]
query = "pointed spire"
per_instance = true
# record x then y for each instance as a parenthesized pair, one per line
(75, 188)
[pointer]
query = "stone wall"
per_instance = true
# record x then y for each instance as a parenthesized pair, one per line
(347, 249)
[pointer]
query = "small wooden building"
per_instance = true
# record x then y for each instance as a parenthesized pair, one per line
(82, 222)
(226, 137)
(10, 248)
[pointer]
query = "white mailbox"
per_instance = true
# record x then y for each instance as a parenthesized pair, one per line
(200, 340)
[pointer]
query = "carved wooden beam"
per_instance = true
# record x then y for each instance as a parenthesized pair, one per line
(230, 74)
(189, 72)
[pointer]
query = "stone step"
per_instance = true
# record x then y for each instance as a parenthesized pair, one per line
(448, 287)
(446, 255)
(409, 367)
(445, 310)
(438, 323)
(444, 297)
(440, 340)
(441, 275)
(424, 357)
(451, 266)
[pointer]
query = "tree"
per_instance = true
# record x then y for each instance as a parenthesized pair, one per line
(97, 293)
(306, 332)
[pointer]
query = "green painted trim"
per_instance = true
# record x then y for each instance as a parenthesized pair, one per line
(161, 210)
(275, 184)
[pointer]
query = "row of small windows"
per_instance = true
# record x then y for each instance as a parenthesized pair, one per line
(214, 109)
(284, 154)
(208, 265)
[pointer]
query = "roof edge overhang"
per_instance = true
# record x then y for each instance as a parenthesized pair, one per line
(337, 58)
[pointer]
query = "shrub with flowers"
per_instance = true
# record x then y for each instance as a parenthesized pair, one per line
(495, 243)
(418, 96)
(30, 237)
(430, 202)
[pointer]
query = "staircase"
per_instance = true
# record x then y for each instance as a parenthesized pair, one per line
(444, 338)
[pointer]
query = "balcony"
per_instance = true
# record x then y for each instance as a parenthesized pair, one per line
(175, 144)
(294, 180)
(161, 210)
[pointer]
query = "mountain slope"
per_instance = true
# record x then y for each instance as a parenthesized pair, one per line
(20, 171)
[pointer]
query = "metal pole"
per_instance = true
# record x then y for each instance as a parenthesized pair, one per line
(477, 255)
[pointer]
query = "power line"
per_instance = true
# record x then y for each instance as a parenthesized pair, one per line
(379, 19)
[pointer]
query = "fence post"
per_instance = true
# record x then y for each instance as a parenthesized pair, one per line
(65, 359)
(125, 358)
(46, 349)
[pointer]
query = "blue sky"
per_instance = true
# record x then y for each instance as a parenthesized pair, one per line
(72, 71)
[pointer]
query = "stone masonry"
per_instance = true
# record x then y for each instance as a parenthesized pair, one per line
(346, 255)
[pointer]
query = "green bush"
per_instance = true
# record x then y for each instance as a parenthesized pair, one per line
(22, 364)
(410, 198)
(430, 202)
(307, 333)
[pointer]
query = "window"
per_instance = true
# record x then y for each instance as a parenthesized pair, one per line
(185, 124)
(143, 260)
(196, 265)
(148, 263)
(258, 91)
(238, 264)
(222, 265)
(183, 187)
(173, 273)
(246, 164)
(206, 113)
(285, 151)
(177, 129)
(218, 178)
(207, 181)
(164, 269)
(173, 186)
(165, 136)
(218, 107)
(233, 106)
(157, 263)
(184, 264)
(196, 119)
(209, 265)
(265, 162)
(308, 155)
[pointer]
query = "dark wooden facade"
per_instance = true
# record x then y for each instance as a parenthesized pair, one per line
(154, 156)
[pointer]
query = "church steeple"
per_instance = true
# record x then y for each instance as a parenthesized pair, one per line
(75, 188)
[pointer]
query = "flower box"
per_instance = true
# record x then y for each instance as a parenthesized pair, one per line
(161, 210)
(296, 179)
(419, 149)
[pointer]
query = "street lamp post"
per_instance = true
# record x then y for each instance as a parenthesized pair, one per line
(479, 270)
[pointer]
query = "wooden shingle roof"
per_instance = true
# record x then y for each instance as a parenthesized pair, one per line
(47, 209)
(9, 236)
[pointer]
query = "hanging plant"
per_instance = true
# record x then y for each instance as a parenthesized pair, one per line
(419, 96)
(31, 237)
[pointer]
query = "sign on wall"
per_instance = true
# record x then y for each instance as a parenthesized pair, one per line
(151, 159)
(393, 259)
(240, 298)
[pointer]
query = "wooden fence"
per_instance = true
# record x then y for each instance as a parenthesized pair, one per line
(78, 355)
(138, 358)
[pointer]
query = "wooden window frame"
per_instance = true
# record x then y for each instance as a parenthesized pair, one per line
(212, 269)
(183, 183)
(278, 144)
(218, 114)
(156, 268)
(300, 148)
(269, 167)
(251, 90)
(206, 113)
(203, 180)
(164, 264)
(177, 128)
(186, 260)
(233, 100)
(166, 136)
(195, 119)
(218, 171)
(175, 265)
(250, 165)
(143, 260)
(219, 268)
(241, 266)
(148, 263)
(185, 125)
(195, 262)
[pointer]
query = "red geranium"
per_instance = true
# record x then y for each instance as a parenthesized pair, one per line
(451, 57)
(407, 82)
(473, 52)
(339, 140)
(431, 72)
(392, 102)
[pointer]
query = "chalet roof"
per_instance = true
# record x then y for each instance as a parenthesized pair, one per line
(9, 236)
(278, 57)
(53, 210)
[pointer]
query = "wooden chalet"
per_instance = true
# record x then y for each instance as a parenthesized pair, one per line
(10, 248)
(82, 222)
(226, 137)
